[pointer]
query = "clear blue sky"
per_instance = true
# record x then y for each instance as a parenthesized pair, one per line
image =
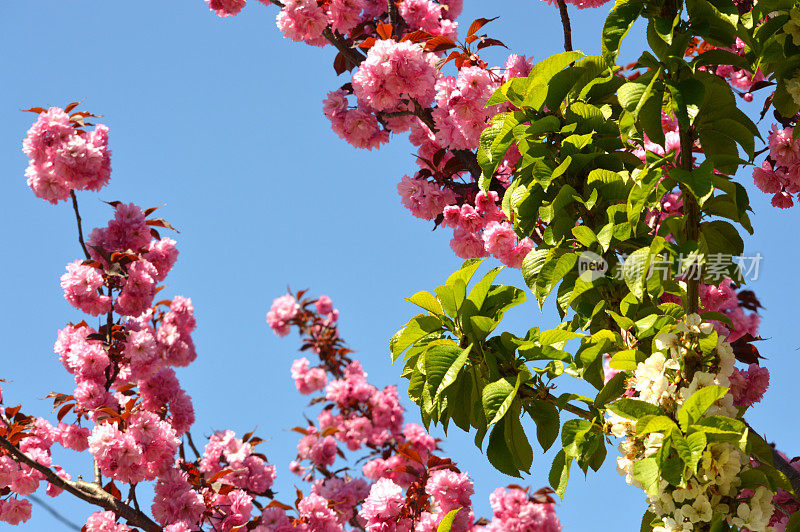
(220, 120)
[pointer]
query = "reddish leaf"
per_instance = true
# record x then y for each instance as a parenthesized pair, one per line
(249, 435)
(160, 222)
(384, 30)
(485, 43)
(71, 106)
(113, 490)
(301, 430)
(478, 24)
(416, 36)
(64, 411)
(37, 110)
(329, 431)
(219, 475)
(340, 64)
(367, 43)
(439, 43)
(277, 504)
(150, 210)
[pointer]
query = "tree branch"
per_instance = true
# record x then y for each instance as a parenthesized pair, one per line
(80, 225)
(692, 216)
(85, 491)
(562, 8)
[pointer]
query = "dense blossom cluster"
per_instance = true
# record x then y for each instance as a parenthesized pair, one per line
(64, 157)
(779, 174)
(668, 379)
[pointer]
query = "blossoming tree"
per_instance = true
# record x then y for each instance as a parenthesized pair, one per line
(567, 169)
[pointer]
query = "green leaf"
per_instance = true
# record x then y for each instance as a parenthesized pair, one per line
(617, 25)
(427, 301)
(542, 73)
(559, 473)
(557, 337)
(721, 237)
(578, 439)
(660, 423)
(699, 181)
(635, 271)
(477, 295)
(497, 398)
(417, 328)
(613, 389)
(697, 404)
(584, 235)
(481, 326)
(551, 274)
(690, 449)
(646, 471)
(634, 408)
(446, 524)
(547, 422)
(443, 364)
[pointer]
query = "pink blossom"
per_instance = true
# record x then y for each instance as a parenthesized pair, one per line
(283, 310)
(303, 20)
(139, 289)
(81, 286)
(344, 15)
(748, 386)
(226, 8)
(308, 380)
(393, 71)
(468, 245)
(15, 511)
(382, 505)
(162, 254)
(101, 521)
(515, 512)
(317, 515)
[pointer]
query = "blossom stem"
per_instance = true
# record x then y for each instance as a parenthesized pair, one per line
(80, 225)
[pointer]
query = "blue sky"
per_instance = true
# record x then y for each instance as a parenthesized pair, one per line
(220, 121)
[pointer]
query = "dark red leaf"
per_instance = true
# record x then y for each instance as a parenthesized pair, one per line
(113, 490)
(71, 106)
(416, 36)
(38, 110)
(64, 411)
(340, 64)
(478, 24)
(160, 222)
(439, 43)
(486, 42)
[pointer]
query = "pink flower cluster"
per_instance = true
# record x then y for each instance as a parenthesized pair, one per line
(748, 386)
(515, 511)
(82, 288)
(723, 298)
(483, 230)
(226, 8)
(779, 174)
(64, 157)
(394, 72)
(145, 449)
(308, 380)
(101, 521)
(358, 126)
(583, 4)
(250, 471)
(425, 199)
(283, 310)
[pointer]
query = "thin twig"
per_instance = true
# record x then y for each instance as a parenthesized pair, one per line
(85, 491)
(80, 225)
(562, 8)
(191, 444)
(52, 511)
